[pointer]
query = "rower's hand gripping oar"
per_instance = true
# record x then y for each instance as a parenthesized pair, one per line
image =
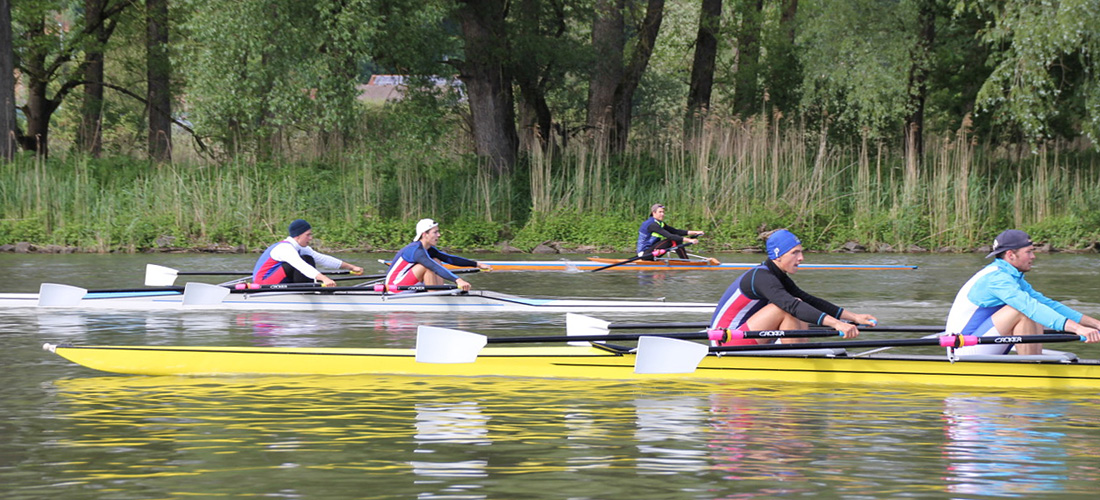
(655, 253)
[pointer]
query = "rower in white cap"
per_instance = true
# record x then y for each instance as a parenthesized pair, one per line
(419, 262)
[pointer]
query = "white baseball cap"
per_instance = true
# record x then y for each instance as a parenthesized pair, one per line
(424, 226)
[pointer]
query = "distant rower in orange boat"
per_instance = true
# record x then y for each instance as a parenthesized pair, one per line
(655, 234)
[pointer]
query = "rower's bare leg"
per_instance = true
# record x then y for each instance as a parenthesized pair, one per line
(426, 276)
(771, 317)
(1009, 321)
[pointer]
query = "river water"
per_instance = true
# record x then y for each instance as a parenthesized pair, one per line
(67, 432)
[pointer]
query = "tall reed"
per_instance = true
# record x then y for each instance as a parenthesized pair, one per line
(737, 180)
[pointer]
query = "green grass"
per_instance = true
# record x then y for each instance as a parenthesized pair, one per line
(734, 184)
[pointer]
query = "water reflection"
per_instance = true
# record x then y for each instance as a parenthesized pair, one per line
(505, 438)
(998, 446)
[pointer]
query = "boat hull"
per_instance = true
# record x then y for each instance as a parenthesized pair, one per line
(584, 362)
(474, 301)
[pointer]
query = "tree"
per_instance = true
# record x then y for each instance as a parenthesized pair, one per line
(920, 65)
(702, 67)
(856, 58)
(48, 53)
(260, 70)
(612, 85)
(542, 56)
(485, 71)
(1044, 80)
(89, 137)
(746, 97)
(7, 84)
(158, 69)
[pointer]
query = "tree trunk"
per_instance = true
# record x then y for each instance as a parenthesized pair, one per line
(783, 74)
(158, 71)
(535, 117)
(702, 68)
(921, 62)
(7, 84)
(747, 90)
(90, 136)
(624, 94)
(488, 82)
(608, 34)
(38, 108)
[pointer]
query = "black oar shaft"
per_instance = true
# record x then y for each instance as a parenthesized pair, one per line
(655, 253)
(762, 334)
(1007, 339)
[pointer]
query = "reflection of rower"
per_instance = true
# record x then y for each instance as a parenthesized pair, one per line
(989, 435)
(655, 234)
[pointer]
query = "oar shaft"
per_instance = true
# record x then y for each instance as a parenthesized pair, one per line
(655, 253)
(943, 341)
(239, 273)
(880, 328)
(412, 288)
(138, 290)
(707, 335)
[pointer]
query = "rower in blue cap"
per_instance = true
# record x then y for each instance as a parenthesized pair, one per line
(765, 298)
(292, 260)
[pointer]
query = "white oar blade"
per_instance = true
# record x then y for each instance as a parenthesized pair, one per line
(444, 345)
(665, 355)
(203, 294)
(58, 295)
(159, 275)
(579, 324)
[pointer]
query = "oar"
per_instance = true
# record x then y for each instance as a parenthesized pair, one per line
(657, 357)
(580, 329)
(716, 335)
(165, 276)
(655, 253)
(412, 288)
(590, 325)
(417, 295)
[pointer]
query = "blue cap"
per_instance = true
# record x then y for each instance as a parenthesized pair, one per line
(781, 242)
(298, 227)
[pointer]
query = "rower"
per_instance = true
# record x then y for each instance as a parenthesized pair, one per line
(997, 300)
(765, 298)
(419, 262)
(292, 260)
(655, 234)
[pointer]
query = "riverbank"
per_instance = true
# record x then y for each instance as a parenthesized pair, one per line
(545, 248)
(847, 198)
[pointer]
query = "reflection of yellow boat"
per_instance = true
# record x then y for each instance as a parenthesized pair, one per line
(585, 362)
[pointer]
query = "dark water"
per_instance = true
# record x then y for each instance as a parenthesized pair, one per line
(69, 432)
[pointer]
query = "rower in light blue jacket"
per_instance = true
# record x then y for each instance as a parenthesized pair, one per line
(997, 300)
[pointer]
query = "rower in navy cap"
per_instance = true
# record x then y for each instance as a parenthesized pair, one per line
(997, 300)
(292, 260)
(765, 298)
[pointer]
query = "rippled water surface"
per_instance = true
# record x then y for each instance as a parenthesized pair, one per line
(67, 432)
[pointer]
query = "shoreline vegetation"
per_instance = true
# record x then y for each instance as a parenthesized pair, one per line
(736, 182)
